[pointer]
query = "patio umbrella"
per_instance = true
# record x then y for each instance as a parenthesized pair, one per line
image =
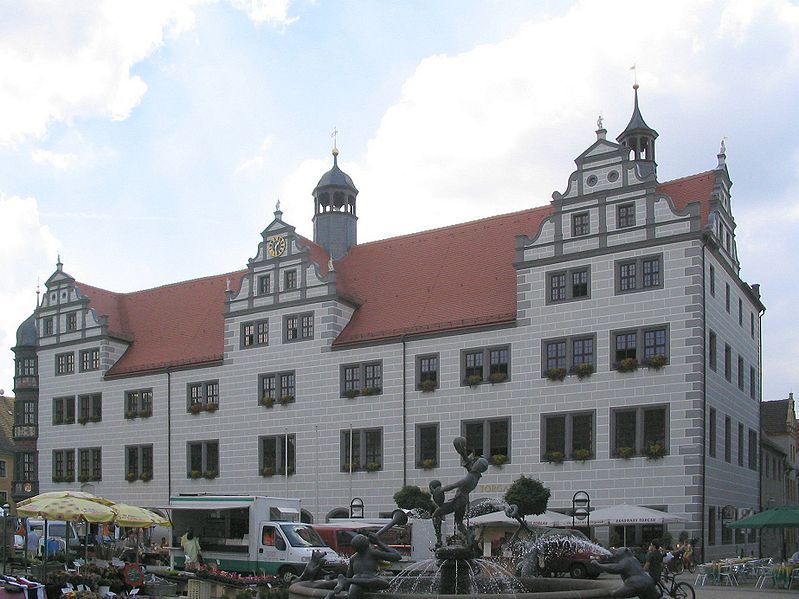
(67, 493)
(632, 514)
(137, 517)
(784, 516)
(548, 518)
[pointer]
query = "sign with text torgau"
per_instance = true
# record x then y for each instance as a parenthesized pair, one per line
(492, 488)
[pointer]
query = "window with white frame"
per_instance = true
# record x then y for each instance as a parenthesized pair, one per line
(90, 464)
(639, 274)
(570, 284)
(64, 410)
(625, 216)
(139, 403)
(427, 372)
(567, 436)
(90, 408)
(581, 224)
(485, 364)
(298, 327)
(645, 345)
(362, 449)
(264, 285)
(427, 445)
(569, 353)
(63, 465)
(364, 378)
(90, 359)
(278, 455)
(639, 430)
(138, 462)
(65, 363)
(489, 438)
(202, 459)
(255, 333)
(203, 396)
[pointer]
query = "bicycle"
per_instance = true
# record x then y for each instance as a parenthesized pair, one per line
(677, 590)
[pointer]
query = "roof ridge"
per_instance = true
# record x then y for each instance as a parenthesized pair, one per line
(158, 287)
(694, 176)
(456, 225)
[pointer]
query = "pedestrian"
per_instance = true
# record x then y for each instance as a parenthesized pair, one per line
(33, 543)
(654, 561)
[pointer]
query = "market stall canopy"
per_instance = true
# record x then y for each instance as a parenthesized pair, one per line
(548, 518)
(137, 517)
(57, 494)
(784, 516)
(632, 514)
(71, 509)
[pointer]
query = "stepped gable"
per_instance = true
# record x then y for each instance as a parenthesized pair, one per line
(445, 279)
(695, 188)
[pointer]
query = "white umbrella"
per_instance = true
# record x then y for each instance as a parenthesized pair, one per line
(548, 518)
(632, 514)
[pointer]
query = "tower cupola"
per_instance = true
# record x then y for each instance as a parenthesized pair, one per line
(335, 222)
(638, 136)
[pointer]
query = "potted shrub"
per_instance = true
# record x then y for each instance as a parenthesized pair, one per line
(627, 365)
(498, 377)
(95, 418)
(195, 474)
(84, 478)
(427, 385)
(352, 393)
(210, 474)
(373, 466)
(555, 374)
(83, 420)
(286, 399)
(267, 401)
(626, 452)
(370, 391)
(656, 362)
(212, 407)
(473, 380)
(146, 476)
(554, 457)
(267, 471)
(354, 464)
(131, 414)
(58, 479)
(655, 451)
(499, 459)
(583, 454)
(103, 587)
(131, 476)
(196, 408)
(428, 464)
(583, 370)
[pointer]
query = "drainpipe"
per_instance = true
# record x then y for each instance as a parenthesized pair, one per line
(169, 433)
(404, 420)
(760, 427)
(704, 404)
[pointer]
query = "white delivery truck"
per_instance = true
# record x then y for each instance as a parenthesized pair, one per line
(246, 533)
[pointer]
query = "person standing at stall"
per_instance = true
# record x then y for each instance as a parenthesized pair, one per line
(191, 548)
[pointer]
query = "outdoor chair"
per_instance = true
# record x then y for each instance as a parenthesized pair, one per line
(701, 575)
(794, 576)
(727, 575)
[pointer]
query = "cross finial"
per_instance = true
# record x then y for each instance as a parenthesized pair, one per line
(37, 292)
(635, 76)
(333, 135)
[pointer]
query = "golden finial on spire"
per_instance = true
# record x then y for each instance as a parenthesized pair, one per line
(334, 134)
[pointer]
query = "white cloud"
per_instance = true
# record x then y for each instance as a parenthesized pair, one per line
(27, 247)
(60, 161)
(61, 61)
(257, 162)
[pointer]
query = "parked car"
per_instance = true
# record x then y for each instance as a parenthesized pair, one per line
(562, 556)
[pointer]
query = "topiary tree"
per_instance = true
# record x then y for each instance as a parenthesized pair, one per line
(529, 494)
(411, 496)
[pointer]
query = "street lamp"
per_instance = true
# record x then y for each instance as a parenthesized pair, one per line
(5, 509)
(581, 508)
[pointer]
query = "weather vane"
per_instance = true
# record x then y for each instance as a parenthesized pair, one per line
(333, 135)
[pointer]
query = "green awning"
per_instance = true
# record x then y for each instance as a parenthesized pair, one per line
(784, 516)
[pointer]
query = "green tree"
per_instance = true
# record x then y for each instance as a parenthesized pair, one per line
(529, 494)
(411, 496)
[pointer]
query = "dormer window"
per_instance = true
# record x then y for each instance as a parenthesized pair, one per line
(48, 325)
(264, 285)
(580, 224)
(290, 279)
(72, 321)
(626, 216)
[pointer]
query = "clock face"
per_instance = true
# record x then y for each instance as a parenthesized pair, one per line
(276, 246)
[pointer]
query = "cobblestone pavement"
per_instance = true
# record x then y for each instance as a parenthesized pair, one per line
(740, 592)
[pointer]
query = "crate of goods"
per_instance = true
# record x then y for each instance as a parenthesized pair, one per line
(161, 589)
(199, 589)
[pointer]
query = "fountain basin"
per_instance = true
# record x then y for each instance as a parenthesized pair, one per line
(543, 588)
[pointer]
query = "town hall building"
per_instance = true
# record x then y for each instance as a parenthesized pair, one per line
(604, 342)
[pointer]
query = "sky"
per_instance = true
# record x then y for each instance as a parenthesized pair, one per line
(147, 142)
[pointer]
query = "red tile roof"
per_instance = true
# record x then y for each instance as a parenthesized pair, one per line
(445, 279)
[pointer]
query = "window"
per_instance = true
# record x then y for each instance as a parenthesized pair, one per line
(203, 459)
(752, 450)
(3, 469)
(726, 531)
(25, 466)
(278, 455)
(48, 325)
(639, 274)
(711, 432)
(90, 408)
(727, 439)
(580, 224)
(568, 285)
(264, 285)
(203, 395)
(711, 349)
(485, 364)
(711, 525)
(626, 216)
(740, 373)
(569, 353)
(740, 312)
(727, 297)
(365, 378)
(570, 435)
(752, 385)
(297, 327)
(290, 279)
(26, 367)
(138, 462)
(426, 446)
(90, 359)
(72, 321)
(643, 345)
(740, 444)
(65, 363)
(366, 448)
(64, 466)
(64, 410)
(639, 430)
(277, 386)
(25, 412)
(752, 324)
(427, 372)
(139, 403)
(727, 362)
(555, 355)
(90, 464)
(712, 281)
(255, 333)
(489, 438)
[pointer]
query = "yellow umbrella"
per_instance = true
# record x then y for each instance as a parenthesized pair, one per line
(61, 494)
(71, 509)
(137, 517)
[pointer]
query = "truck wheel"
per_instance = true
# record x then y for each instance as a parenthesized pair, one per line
(578, 571)
(286, 573)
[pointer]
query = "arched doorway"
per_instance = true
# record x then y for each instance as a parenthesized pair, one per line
(306, 517)
(339, 512)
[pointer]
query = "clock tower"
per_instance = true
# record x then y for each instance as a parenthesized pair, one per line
(335, 223)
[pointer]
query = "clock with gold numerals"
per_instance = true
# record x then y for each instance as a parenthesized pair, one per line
(276, 246)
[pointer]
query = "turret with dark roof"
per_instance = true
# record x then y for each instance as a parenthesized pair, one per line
(335, 223)
(638, 136)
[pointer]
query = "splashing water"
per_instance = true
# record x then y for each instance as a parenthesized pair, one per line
(485, 577)
(543, 553)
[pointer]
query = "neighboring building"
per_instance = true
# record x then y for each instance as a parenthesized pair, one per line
(604, 342)
(6, 450)
(778, 469)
